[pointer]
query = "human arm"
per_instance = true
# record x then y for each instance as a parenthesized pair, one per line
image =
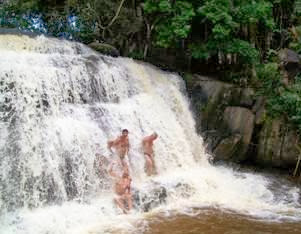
(113, 143)
(110, 144)
(111, 172)
(128, 189)
(127, 148)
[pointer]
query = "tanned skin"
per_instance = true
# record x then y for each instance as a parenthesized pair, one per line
(121, 145)
(122, 189)
(148, 151)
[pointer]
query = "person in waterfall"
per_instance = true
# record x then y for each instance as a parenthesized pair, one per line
(148, 151)
(122, 188)
(121, 145)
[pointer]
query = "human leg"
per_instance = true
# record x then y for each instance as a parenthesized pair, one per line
(149, 164)
(120, 203)
(129, 201)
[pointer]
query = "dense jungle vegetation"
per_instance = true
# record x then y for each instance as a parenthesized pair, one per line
(235, 40)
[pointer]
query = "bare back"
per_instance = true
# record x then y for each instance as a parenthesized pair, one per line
(147, 144)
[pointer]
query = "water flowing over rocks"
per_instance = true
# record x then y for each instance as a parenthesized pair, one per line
(60, 104)
(145, 201)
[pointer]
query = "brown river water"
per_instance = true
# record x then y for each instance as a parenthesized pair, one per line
(217, 221)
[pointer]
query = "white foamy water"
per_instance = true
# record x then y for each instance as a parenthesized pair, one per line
(60, 103)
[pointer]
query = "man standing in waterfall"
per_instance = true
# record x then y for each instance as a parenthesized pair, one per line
(122, 189)
(121, 145)
(147, 145)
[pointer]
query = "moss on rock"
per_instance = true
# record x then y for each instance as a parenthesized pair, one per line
(104, 48)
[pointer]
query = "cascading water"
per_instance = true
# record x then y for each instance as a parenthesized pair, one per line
(60, 104)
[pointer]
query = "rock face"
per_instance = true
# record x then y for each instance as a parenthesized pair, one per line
(277, 145)
(235, 126)
(240, 122)
(228, 147)
(225, 122)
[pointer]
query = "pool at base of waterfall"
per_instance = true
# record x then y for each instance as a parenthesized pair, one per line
(213, 221)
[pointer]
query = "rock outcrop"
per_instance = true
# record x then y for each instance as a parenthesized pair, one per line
(290, 61)
(235, 126)
(276, 146)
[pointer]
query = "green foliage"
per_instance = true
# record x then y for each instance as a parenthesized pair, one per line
(295, 34)
(136, 55)
(175, 20)
(269, 77)
(223, 19)
(226, 18)
(199, 51)
(288, 104)
(153, 6)
(253, 12)
(218, 12)
(96, 16)
(281, 100)
(244, 49)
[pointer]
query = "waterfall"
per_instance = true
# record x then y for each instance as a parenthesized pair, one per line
(60, 102)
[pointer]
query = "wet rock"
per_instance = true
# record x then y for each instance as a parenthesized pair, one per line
(238, 124)
(224, 110)
(184, 190)
(235, 125)
(104, 48)
(240, 120)
(210, 97)
(228, 147)
(277, 145)
(145, 201)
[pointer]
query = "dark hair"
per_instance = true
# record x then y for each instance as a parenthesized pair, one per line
(125, 130)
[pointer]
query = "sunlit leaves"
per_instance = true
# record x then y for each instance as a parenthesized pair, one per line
(174, 20)
(253, 12)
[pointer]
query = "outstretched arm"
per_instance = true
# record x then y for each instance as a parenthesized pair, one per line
(112, 143)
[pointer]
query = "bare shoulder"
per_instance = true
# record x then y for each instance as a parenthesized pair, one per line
(118, 139)
(145, 139)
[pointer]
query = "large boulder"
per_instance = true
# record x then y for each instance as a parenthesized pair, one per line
(104, 48)
(290, 61)
(277, 145)
(228, 147)
(235, 124)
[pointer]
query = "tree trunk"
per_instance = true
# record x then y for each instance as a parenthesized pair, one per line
(148, 38)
